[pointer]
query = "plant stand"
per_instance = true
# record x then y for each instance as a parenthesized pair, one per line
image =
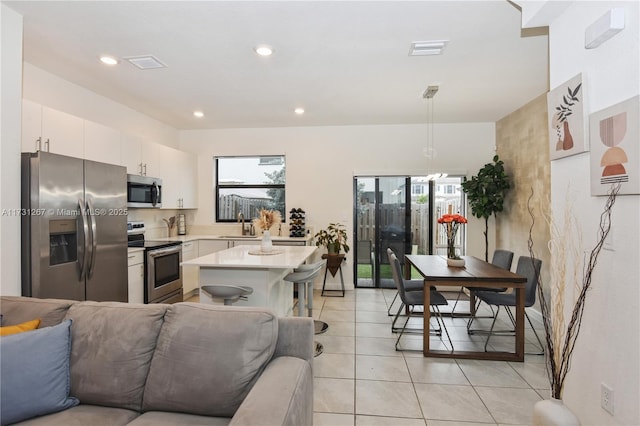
(334, 264)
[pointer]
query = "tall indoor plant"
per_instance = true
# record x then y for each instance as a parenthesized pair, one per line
(485, 193)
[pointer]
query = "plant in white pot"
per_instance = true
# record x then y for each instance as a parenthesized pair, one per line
(265, 220)
(560, 340)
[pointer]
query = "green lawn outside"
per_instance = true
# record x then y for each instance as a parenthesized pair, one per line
(364, 271)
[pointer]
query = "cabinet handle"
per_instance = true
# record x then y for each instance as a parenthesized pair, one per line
(132, 256)
(46, 144)
(140, 169)
(145, 169)
(38, 144)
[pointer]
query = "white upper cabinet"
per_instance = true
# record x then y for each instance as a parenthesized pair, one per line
(102, 143)
(179, 179)
(141, 157)
(46, 129)
(131, 148)
(31, 126)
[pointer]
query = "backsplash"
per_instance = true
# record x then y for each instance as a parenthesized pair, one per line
(154, 225)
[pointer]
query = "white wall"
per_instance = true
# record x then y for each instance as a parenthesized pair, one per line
(10, 116)
(322, 161)
(608, 348)
(48, 89)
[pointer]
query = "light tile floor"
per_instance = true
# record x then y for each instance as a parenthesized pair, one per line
(360, 379)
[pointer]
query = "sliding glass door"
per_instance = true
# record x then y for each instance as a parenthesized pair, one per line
(400, 212)
(382, 221)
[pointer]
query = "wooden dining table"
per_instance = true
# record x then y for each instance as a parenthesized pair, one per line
(475, 273)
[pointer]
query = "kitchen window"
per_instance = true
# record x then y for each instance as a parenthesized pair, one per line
(248, 184)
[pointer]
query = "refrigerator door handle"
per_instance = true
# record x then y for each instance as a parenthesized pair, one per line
(94, 238)
(85, 235)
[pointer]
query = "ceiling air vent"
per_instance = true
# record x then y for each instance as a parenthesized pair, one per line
(424, 48)
(147, 62)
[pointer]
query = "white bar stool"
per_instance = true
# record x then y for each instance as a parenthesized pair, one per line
(229, 293)
(303, 277)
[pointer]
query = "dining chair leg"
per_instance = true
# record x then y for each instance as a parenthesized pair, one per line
(453, 310)
(391, 305)
(403, 328)
(536, 334)
(394, 329)
(442, 326)
(491, 329)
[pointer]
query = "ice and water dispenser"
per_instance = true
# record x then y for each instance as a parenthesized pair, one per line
(63, 241)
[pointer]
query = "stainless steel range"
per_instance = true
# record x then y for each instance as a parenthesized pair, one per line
(162, 271)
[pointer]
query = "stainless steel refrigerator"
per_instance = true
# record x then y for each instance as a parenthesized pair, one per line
(74, 228)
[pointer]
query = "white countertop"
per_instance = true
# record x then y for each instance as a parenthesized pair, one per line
(288, 257)
(194, 237)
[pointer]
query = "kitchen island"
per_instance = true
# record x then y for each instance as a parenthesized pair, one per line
(245, 265)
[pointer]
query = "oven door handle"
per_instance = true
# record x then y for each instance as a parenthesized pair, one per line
(164, 251)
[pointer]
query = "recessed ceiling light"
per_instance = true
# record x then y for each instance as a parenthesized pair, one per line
(264, 50)
(198, 114)
(108, 60)
(425, 48)
(299, 111)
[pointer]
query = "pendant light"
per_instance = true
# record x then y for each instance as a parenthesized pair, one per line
(429, 151)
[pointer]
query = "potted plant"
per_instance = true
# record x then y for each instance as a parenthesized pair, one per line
(334, 238)
(485, 193)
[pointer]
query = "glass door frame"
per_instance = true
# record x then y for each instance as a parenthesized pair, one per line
(379, 252)
(435, 208)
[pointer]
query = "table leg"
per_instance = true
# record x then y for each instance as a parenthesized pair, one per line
(520, 324)
(426, 315)
(472, 302)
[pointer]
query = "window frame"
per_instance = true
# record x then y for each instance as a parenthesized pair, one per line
(219, 186)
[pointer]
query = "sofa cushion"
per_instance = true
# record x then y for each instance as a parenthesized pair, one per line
(85, 415)
(208, 358)
(160, 418)
(34, 368)
(111, 351)
(17, 309)
(20, 328)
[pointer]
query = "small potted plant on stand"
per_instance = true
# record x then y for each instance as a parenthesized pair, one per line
(334, 238)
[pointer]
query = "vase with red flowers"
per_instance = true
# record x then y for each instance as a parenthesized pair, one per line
(451, 223)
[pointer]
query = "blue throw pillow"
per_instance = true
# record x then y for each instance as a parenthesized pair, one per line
(34, 367)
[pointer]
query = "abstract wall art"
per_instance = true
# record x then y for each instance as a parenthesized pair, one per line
(615, 147)
(566, 119)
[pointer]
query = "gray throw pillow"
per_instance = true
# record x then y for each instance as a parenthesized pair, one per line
(34, 367)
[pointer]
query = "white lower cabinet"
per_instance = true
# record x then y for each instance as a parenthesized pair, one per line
(189, 273)
(206, 247)
(136, 277)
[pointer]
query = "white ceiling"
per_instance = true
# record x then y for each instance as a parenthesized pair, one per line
(345, 62)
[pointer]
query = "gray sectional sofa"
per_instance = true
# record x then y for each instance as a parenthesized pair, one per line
(181, 364)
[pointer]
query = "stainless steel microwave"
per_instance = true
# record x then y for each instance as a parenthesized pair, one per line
(144, 191)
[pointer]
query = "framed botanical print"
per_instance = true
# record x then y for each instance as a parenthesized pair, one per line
(566, 119)
(615, 147)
